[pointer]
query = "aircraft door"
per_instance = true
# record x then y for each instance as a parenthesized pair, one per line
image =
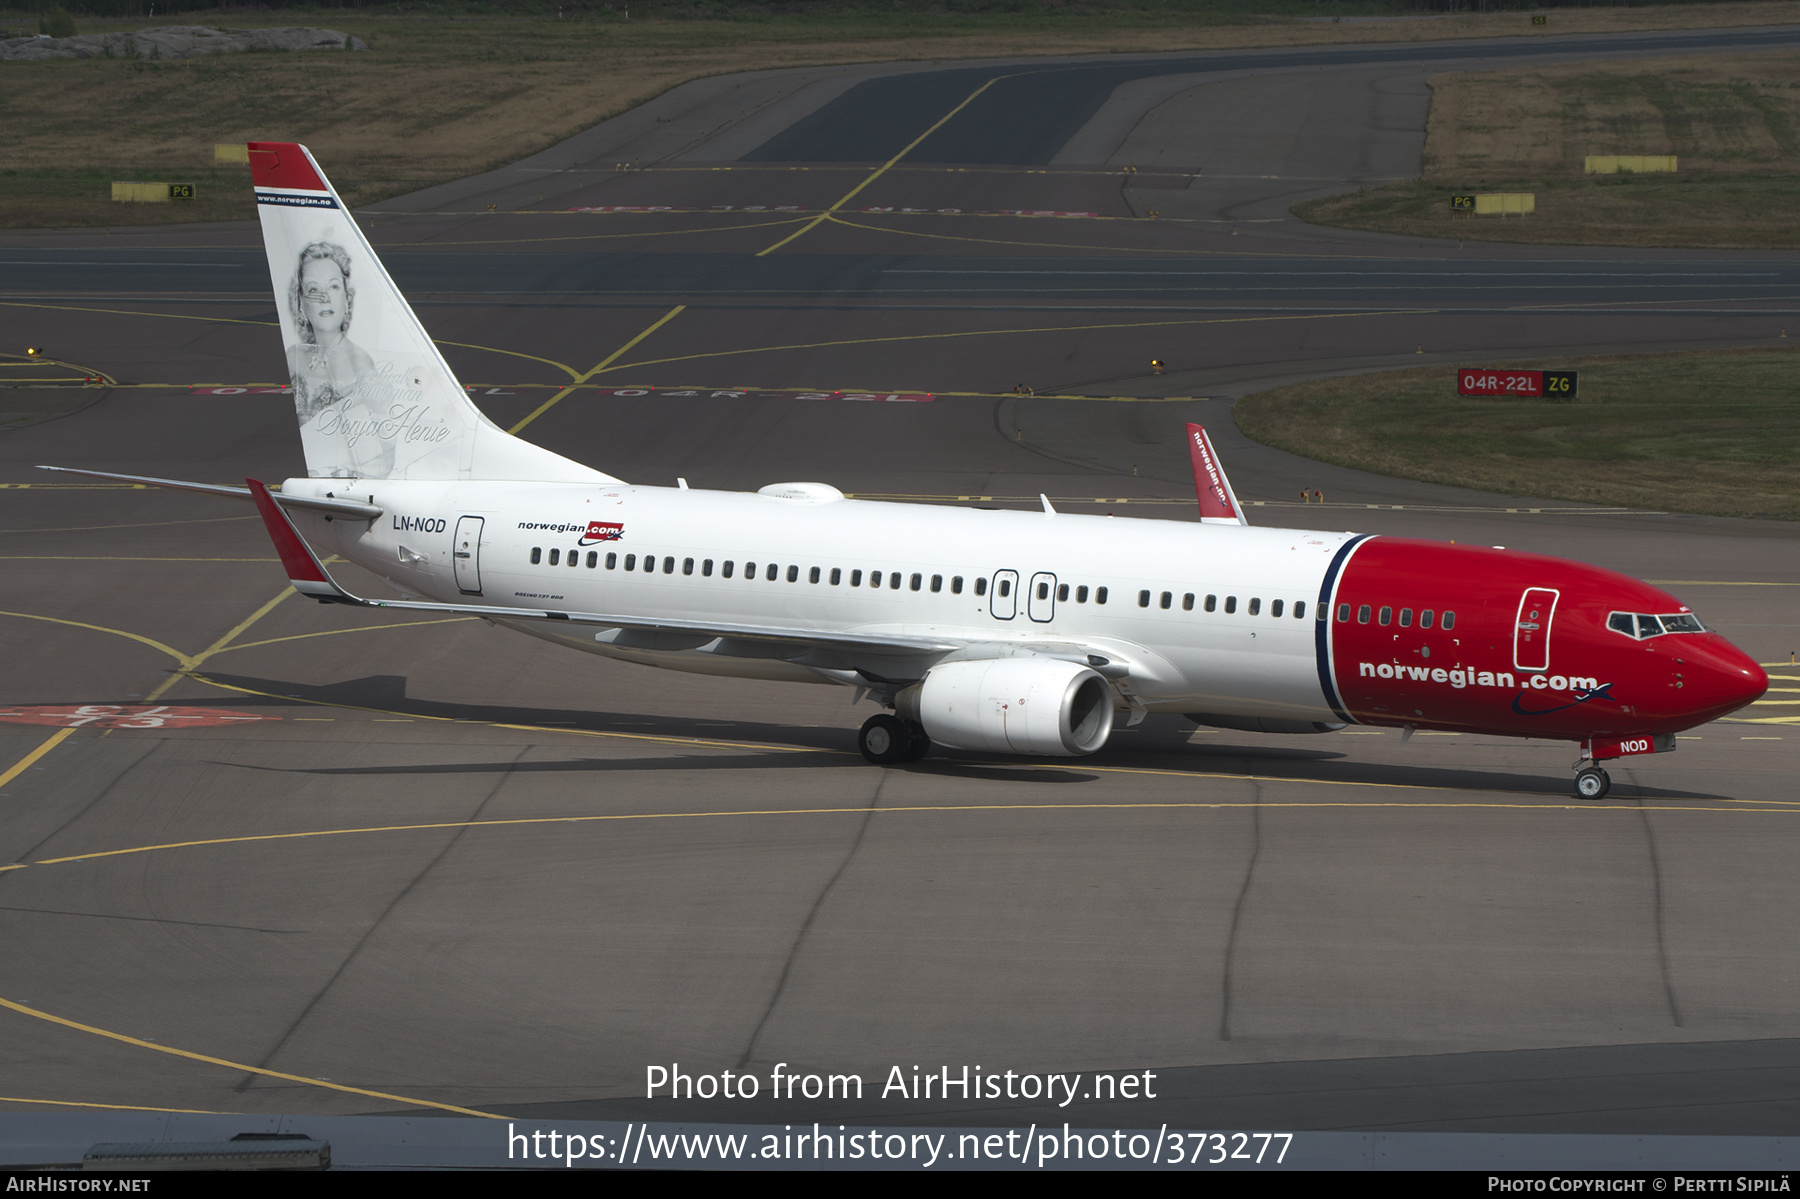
(1040, 604)
(1003, 599)
(1531, 632)
(467, 555)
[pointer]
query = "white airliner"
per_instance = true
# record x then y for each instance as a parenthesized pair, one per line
(996, 631)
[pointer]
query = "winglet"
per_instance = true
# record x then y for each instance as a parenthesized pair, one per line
(305, 571)
(1217, 502)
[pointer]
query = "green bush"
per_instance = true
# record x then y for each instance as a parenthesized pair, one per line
(56, 21)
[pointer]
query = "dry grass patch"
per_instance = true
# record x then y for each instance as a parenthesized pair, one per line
(1711, 432)
(437, 99)
(1732, 120)
(1736, 114)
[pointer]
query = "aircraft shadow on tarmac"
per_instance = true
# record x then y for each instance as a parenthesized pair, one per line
(1162, 748)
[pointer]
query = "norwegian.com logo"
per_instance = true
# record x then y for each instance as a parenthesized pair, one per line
(600, 530)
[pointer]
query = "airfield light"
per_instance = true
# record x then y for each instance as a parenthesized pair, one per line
(34, 351)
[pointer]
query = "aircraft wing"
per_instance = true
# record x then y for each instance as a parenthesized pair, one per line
(310, 578)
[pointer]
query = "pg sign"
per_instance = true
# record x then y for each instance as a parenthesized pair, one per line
(1505, 383)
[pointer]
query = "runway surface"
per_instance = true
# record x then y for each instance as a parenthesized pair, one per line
(562, 871)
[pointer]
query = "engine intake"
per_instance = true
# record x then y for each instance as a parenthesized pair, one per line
(1012, 706)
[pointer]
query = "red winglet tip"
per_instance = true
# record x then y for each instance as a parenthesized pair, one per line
(296, 559)
(1209, 480)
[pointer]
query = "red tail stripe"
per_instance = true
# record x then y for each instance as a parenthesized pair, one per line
(284, 165)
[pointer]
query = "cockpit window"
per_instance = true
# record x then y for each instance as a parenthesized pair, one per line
(1640, 625)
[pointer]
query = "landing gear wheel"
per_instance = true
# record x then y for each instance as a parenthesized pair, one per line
(1593, 783)
(921, 743)
(885, 739)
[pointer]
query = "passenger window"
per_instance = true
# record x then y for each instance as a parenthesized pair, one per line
(812, 576)
(837, 576)
(1344, 614)
(1255, 605)
(1062, 593)
(1005, 588)
(1212, 603)
(612, 561)
(1230, 604)
(1362, 614)
(1274, 607)
(593, 559)
(1425, 619)
(1165, 600)
(1386, 615)
(725, 570)
(1406, 618)
(937, 583)
(706, 569)
(1143, 596)
(687, 566)
(874, 578)
(981, 586)
(555, 554)
(894, 581)
(917, 581)
(793, 574)
(1043, 591)
(537, 554)
(774, 572)
(856, 578)
(1300, 609)
(750, 572)
(1187, 602)
(956, 585)
(1099, 595)
(574, 557)
(1449, 621)
(1081, 594)
(668, 566)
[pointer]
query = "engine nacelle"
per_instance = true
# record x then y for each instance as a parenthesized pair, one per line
(1012, 706)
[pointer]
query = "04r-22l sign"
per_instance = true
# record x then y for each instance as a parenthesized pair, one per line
(1537, 385)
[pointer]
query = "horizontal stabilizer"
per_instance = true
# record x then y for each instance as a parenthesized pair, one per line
(330, 506)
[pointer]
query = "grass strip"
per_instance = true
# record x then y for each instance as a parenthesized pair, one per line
(1729, 212)
(1713, 432)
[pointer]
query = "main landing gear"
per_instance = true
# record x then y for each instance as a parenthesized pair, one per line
(886, 739)
(1592, 783)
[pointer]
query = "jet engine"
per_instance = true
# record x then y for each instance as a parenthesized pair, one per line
(1012, 706)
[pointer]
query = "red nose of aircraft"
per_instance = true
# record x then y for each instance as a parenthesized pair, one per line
(1715, 678)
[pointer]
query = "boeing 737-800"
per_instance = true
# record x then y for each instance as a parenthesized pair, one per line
(993, 631)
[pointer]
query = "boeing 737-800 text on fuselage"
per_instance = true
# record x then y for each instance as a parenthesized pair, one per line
(996, 631)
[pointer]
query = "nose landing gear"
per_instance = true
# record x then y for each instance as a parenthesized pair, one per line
(886, 739)
(1592, 783)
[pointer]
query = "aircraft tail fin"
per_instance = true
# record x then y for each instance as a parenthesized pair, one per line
(375, 398)
(1218, 504)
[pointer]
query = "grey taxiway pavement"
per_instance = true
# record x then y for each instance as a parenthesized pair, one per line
(389, 864)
